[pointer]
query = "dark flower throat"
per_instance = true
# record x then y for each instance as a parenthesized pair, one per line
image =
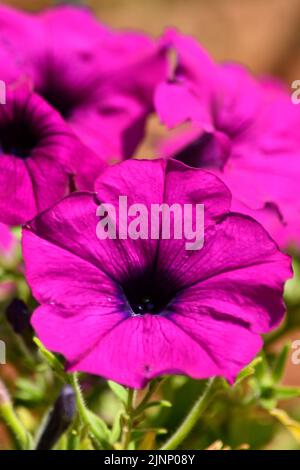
(18, 139)
(149, 293)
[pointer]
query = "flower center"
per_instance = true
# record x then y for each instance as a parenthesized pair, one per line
(149, 293)
(63, 96)
(203, 152)
(59, 102)
(18, 139)
(146, 304)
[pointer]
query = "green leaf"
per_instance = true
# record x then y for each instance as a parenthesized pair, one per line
(279, 366)
(22, 437)
(268, 403)
(28, 391)
(51, 359)
(132, 445)
(119, 391)
(116, 429)
(99, 432)
(262, 372)
(248, 371)
(286, 393)
(161, 403)
(137, 433)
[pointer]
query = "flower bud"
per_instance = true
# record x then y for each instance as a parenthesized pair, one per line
(59, 419)
(18, 315)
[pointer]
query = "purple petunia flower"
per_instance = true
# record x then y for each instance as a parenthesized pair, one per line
(40, 157)
(244, 130)
(102, 82)
(131, 310)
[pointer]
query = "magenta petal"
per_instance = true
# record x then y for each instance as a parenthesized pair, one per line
(74, 332)
(80, 221)
(17, 198)
(73, 25)
(214, 332)
(21, 37)
(86, 283)
(192, 186)
(176, 104)
(193, 64)
(142, 182)
(226, 248)
(146, 350)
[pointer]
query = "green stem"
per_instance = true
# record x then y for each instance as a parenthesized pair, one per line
(97, 428)
(81, 406)
(129, 419)
(192, 418)
(14, 424)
